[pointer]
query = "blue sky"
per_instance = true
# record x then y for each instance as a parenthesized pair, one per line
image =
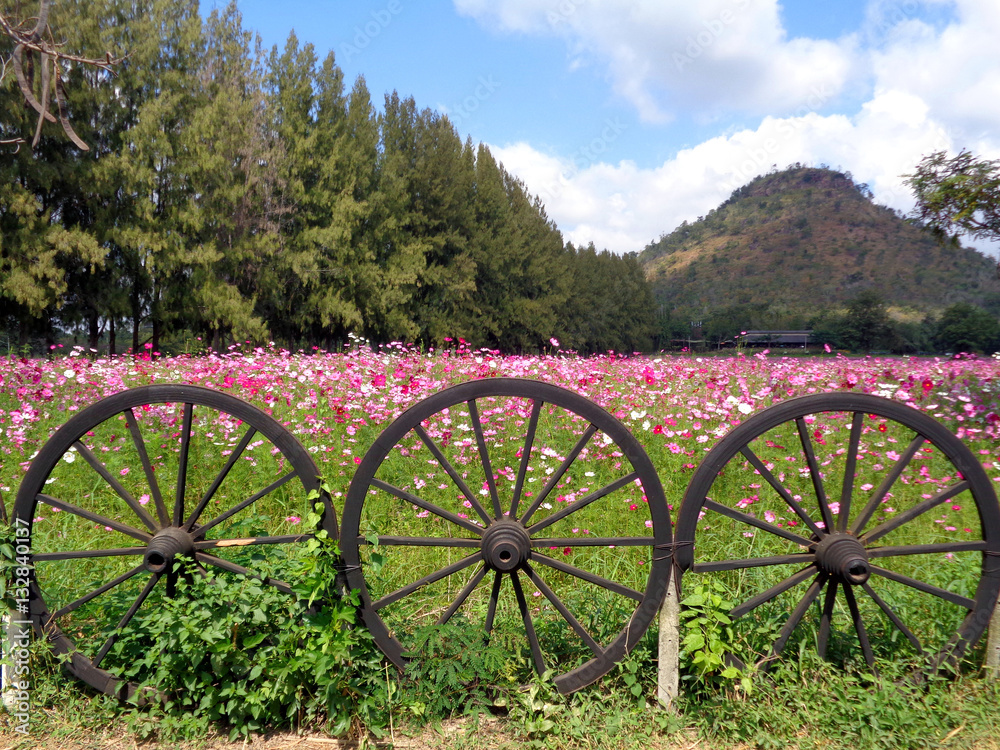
(627, 117)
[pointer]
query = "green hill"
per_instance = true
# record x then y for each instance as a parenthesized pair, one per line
(794, 243)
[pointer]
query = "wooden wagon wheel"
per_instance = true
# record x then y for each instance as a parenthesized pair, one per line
(141, 480)
(523, 506)
(851, 520)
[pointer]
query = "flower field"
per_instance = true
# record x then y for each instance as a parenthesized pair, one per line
(336, 404)
(419, 511)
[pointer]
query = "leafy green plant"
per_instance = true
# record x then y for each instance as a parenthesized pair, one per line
(541, 707)
(709, 639)
(233, 651)
(452, 671)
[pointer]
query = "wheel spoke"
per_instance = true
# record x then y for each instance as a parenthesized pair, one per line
(126, 619)
(147, 467)
(201, 530)
(841, 435)
(484, 456)
(595, 541)
(798, 558)
(557, 475)
(463, 595)
(440, 512)
(529, 440)
(254, 540)
(84, 553)
(95, 517)
(95, 593)
(766, 596)
(171, 584)
(586, 575)
(850, 466)
(561, 608)
(785, 495)
(826, 618)
(886, 485)
(446, 571)
(182, 464)
(421, 541)
(797, 614)
(491, 610)
(511, 520)
(859, 626)
(746, 518)
(232, 567)
(893, 617)
(927, 549)
(124, 494)
(529, 628)
(910, 513)
(927, 588)
(217, 482)
(814, 473)
(583, 502)
(455, 476)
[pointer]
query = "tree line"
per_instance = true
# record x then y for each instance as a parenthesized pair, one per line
(866, 323)
(240, 194)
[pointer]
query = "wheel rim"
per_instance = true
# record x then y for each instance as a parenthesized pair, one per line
(466, 519)
(850, 520)
(140, 481)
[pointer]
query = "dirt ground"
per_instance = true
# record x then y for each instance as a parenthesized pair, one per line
(461, 733)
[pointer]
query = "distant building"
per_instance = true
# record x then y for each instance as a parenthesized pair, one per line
(777, 338)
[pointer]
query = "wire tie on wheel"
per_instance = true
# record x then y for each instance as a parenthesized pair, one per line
(675, 572)
(669, 548)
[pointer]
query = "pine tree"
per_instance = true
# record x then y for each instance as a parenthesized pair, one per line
(150, 188)
(229, 218)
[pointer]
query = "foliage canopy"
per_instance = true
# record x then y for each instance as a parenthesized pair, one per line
(231, 194)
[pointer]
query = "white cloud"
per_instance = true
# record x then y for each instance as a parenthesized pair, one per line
(706, 57)
(623, 207)
(955, 69)
(933, 86)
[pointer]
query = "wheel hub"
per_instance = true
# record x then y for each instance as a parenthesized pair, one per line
(505, 545)
(844, 557)
(165, 547)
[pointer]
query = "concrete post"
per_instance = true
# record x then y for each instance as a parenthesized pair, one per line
(992, 660)
(668, 673)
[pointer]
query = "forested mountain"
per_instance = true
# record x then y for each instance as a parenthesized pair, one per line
(235, 194)
(793, 244)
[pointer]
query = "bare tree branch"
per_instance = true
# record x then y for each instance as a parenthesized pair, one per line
(39, 41)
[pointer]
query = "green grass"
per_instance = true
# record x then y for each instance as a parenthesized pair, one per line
(805, 702)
